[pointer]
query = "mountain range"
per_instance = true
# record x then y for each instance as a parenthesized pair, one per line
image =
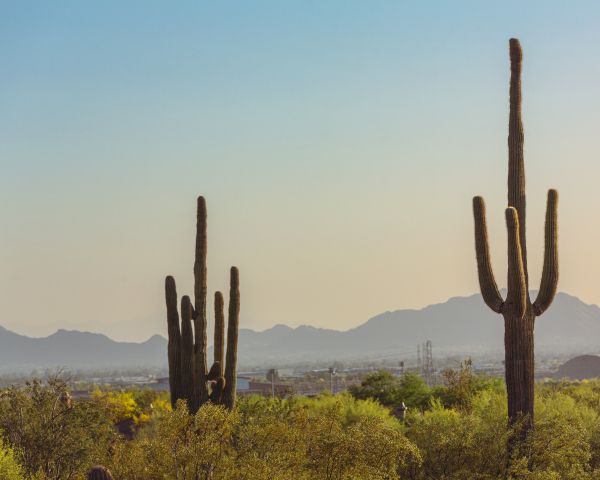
(461, 325)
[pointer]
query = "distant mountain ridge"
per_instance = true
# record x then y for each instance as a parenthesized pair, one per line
(461, 325)
(75, 349)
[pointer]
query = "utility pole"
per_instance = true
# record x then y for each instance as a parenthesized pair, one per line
(332, 372)
(271, 375)
(428, 362)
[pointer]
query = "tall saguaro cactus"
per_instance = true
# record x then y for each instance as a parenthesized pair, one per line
(518, 311)
(187, 348)
(199, 315)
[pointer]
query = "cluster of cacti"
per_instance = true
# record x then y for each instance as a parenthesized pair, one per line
(189, 377)
(518, 311)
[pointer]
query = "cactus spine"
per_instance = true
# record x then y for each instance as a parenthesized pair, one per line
(518, 311)
(187, 348)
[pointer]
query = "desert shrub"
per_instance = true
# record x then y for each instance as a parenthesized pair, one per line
(414, 392)
(368, 448)
(270, 440)
(381, 386)
(450, 443)
(333, 437)
(323, 438)
(389, 390)
(457, 444)
(180, 446)
(53, 438)
(560, 443)
(119, 405)
(462, 385)
(10, 469)
(350, 409)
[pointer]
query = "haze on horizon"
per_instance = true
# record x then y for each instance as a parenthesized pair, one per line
(338, 146)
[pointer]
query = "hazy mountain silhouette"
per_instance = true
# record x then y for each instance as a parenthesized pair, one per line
(580, 368)
(463, 325)
(76, 349)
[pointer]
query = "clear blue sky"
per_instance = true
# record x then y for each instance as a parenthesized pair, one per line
(338, 145)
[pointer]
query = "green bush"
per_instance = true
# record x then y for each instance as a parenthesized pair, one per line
(461, 434)
(52, 437)
(389, 390)
(10, 469)
(324, 438)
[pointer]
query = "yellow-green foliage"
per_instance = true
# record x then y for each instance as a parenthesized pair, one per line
(138, 405)
(456, 444)
(269, 439)
(178, 445)
(53, 439)
(327, 437)
(561, 440)
(120, 405)
(10, 469)
(460, 444)
(347, 408)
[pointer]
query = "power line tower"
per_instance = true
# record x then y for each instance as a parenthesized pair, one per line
(428, 362)
(419, 363)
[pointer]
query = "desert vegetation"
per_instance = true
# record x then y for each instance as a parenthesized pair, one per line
(456, 431)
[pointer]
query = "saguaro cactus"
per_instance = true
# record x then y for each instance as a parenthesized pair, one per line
(219, 342)
(174, 345)
(199, 314)
(186, 355)
(232, 338)
(518, 311)
(187, 348)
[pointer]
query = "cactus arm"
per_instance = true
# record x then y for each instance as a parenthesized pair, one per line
(187, 352)
(516, 164)
(200, 289)
(550, 269)
(219, 342)
(517, 286)
(487, 282)
(174, 345)
(200, 361)
(229, 392)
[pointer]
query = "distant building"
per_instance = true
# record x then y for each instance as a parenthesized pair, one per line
(245, 386)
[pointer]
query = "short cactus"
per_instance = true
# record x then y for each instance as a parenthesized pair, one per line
(189, 377)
